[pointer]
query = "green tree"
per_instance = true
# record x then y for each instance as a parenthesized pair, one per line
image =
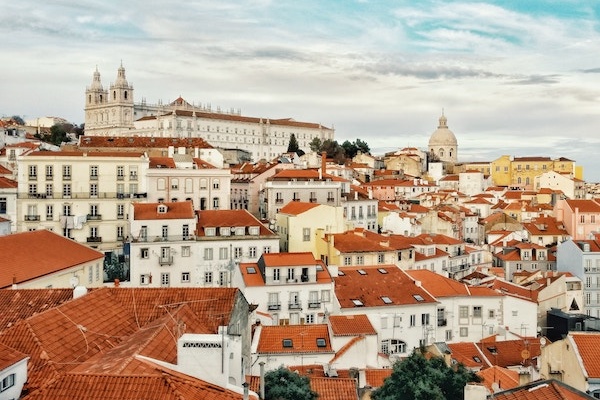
(18, 120)
(362, 146)
(418, 378)
(333, 150)
(293, 146)
(350, 149)
(315, 144)
(283, 384)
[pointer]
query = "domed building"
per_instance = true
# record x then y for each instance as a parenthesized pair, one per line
(443, 144)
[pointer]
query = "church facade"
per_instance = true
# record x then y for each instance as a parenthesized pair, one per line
(113, 112)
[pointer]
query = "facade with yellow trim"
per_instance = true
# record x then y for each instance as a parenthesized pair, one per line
(520, 172)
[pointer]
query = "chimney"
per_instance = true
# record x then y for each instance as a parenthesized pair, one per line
(262, 379)
(323, 164)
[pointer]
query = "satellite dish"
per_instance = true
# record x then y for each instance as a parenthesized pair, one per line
(74, 281)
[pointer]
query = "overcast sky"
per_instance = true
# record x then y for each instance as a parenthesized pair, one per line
(518, 77)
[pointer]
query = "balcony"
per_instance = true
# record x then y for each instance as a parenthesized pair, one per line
(312, 200)
(32, 218)
(442, 322)
(33, 177)
(94, 217)
(66, 177)
(120, 177)
(274, 306)
(295, 305)
(166, 260)
(49, 177)
(120, 216)
(93, 177)
(133, 177)
(330, 200)
(94, 239)
(278, 201)
(314, 304)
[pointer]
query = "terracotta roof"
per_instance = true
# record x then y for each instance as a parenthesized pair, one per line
(378, 286)
(468, 354)
(252, 276)
(334, 388)
(542, 390)
(503, 377)
(375, 377)
(86, 153)
(440, 286)
(176, 210)
(585, 206)
(66, 337)
(297, 207)
(508, 353)
(514, 290)
(229, 218)
(288, 259)
(6, 183)
(287, 174)
(162, 162)
(144, 142)
(9, 356)
(294, 339)
(588, 347)
(23, 303)
(163, 384)
(351, 325)
(20, 255)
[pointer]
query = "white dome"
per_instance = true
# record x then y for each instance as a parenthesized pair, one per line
(442, 136)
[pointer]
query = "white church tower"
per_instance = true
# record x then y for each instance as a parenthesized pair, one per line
(443, 144)
(109, 112)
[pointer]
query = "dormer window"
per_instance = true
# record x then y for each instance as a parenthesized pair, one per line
(254, 230)
(210, 231)
(238, 231)
(162, 209)
(224, 231)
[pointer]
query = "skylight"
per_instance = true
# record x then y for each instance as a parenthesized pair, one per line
(418, 297)
(386, 299)
(321, 342)
(341, 273)
(287, 343)
(357, 302)
(251, 270)
(362, 271)
(382, 270)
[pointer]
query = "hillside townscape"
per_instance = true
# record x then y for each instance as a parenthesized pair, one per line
(181, 251)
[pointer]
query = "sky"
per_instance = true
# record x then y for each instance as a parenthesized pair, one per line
(515, 77)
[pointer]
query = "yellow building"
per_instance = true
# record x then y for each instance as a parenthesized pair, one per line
(520, 172)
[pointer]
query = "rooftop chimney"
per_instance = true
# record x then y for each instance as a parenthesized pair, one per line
(323, 164)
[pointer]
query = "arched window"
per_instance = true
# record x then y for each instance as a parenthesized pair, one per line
(441, 152)
(519, 180)
(125, 94)
(114, 94)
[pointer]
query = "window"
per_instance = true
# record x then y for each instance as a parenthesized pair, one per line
(165, 279)
(120, 172)
(448, 335)
(120, 211)
(290, 274)
(7, 382)
(144, 253)
(185, 231)
(216, 184)
(347, 260)
(49, 171)
(32, 171)
(360, 260)
(3, 205)
(49, 189)
(90, 274)
(252, 252)
(464, 332)
(203, 184)
(380, 258)
(424, 319)
(582, 219)
(491, 314)
(223, 278)
(463, 312)
(325, 296)
(267, 249)
(66, 210)
(413, 320)
(67, 190)
(223, 253)
(237, 252)
(93, 172)
(216, 203)
(208, 253)
(32, 189)
(306, 234)
(66, 171)
(477, 312)
(185, 277)
(185, 251)
(49, 211)
(208, 277)
(175, 183)
(397, 320)
(120, 230)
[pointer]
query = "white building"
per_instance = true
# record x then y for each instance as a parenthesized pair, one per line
(113, 112)
(13, 372)
(582, 259)
(289, 288)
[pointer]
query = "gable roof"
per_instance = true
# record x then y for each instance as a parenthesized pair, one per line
(588, 347)
(23, 303)
(351, 325)
(440, 286)
(279, 339)
(28, 255)
(378, 286)
(66, 337)
(542, 390)
(297, 207)
(228, 218)
(503, 377)
(334, 388)
(143, 142)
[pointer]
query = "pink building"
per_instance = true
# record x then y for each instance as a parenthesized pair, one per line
(580, 217)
